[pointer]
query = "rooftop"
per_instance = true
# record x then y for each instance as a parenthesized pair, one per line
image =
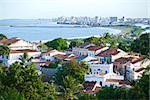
(112, 80)
(49, 51)
(140, 69)
(123, 60)
(94, 48)
(22, 51)
(89, 85)
(9, 41)
(137, 60)
(110, 51)
(84, 45)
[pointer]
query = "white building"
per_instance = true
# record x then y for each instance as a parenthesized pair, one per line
(18, 44)
(131, 66)
(48, 55)
(82, 49)
(14, 56)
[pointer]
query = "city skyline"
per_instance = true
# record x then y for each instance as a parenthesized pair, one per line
(32, 9)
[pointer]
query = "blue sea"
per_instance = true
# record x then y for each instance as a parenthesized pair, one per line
(44, 29)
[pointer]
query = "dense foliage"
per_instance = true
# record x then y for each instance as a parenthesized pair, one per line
(59, 44)
(4, 50)
(141, 44)
(74, 43)
(2, 36)
(70, 77)
(26, 83)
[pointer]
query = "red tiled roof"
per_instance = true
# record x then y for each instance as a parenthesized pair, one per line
(71, 57)
(48, 51)
(124, 83)
(137, 60)
(61, 56)
(9, 41)
(94, 48)
(110, 51)
(140, 69)
(123, 60)
(22, 51)
(92, 92)
(112, 80)
(89, 85)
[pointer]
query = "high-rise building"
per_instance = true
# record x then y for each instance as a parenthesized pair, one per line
(113, 19)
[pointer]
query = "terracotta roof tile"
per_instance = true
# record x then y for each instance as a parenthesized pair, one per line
(123, 60)
(9, 41)
(94, 48)
(110, 51)
(22, 51)
(137, 60)
(89, 85)
(112, 80)
(49, 51)
(140, 69)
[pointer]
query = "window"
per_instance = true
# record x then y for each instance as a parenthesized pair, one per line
(100, 83)
(90, 70)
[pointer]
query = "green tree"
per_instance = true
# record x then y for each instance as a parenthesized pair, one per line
(70, 76)
(142, 85)
(102, 41)
(141, 44)
(25, 59)
(113, 43)
(107, 36)
(59, 44)
(84, 96)
(125, 46)
(42, 46)
(4, 50)
(92, 40)
(74, 43)
(70, 87)
(11, 94)
(2, 36)
(26, 80)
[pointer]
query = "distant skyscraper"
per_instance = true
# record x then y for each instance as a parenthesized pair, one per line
(96, 19)
(113, 19)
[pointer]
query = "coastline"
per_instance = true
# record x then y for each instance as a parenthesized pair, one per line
(117, 31)
(124, 29)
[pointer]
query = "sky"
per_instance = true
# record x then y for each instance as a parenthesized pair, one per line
(32, 9)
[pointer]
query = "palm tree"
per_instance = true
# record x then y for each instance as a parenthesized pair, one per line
(147, 58)
(70, 87)
(11, 94)
(2, 36)
(25, 59)
(4, 50)
(102, 41)
(113, 43)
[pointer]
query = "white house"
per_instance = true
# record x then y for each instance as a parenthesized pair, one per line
(48, 55)
(82, 49)
(101, 73)
(109, 55)
(131, 67)
(94, 50)
(18, 44)
(14, 56)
